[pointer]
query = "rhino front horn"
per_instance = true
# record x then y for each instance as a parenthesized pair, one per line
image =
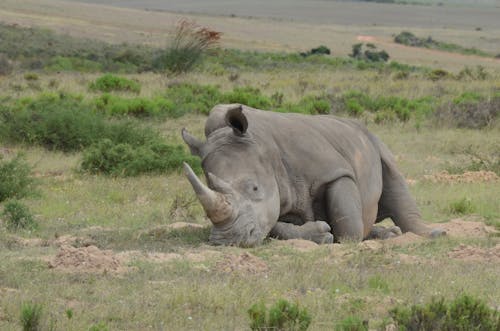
(215, 204)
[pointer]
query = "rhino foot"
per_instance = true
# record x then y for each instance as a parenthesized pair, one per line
(319, 232)
(380, 232)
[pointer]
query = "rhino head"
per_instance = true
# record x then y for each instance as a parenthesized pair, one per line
(241, 197)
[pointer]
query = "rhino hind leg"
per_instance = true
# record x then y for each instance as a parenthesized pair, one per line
(381, 232)
(397, 203)
(319, 232)
(344, 211)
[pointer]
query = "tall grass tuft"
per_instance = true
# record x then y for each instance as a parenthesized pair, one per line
(189, 43)
(31, 314)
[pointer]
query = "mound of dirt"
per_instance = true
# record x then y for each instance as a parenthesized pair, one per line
(466, 177)
(476, 254)
(244, 263)
(405, 239)
(462, 228)
(88, 259)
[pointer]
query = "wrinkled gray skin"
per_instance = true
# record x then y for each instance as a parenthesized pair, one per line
(297, 176)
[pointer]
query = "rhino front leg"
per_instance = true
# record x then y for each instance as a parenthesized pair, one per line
(343, 205)
(319, 232)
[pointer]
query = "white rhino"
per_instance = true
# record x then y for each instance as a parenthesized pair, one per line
(297, 176)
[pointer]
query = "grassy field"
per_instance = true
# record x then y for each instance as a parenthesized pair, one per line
(115, 252)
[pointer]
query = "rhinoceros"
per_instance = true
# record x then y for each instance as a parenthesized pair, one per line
(285, 175)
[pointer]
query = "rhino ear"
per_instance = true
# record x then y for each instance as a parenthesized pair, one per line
(194, 144)
(237, 120)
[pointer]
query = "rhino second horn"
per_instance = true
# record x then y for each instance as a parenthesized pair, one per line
(215, 204)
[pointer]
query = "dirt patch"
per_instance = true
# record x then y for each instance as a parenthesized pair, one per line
(462, 228)
(299, 244)
(244, 263)
(87, 260)
(405, 239)
(466, 177)
(476, 254)
(196, 256)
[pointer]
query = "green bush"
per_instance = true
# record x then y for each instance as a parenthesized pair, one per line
(123, 159)
(31, 314)
(188, 98)
(352, 323)
(138, 107)
(320, 50)
(469, 110)
(438, 74)
(15, 178)
(368, 52)
(281, 316)
(249, 96)
(64, 122)
(462, 206)
(463, 313)
(17, 216)
(109, 83)
(72, 63)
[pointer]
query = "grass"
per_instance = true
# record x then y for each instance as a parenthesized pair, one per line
(339, 285)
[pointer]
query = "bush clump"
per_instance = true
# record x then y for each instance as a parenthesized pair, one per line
(31, 316)
(15, 178)
(64, 122)
(320, 50)
(249, 96)
(368, 52)
(282, 316)
(138, 107)
(125, 159)
(352, 323)
(185, 49)
(17, 216)
(469, 110)
(463, 313)
(110, 83)
(193, 97)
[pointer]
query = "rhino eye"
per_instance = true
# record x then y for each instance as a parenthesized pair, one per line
(255, 188)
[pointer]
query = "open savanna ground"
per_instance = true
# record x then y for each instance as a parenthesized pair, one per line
(108, 235)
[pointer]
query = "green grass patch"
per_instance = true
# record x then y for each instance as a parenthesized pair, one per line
(15, 178)
(283, 315)
(17, 216)
(110, 83)
(138, 107)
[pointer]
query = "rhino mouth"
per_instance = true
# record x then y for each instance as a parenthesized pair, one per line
(237, 233)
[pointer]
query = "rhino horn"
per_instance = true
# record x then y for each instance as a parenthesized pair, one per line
(215, 204)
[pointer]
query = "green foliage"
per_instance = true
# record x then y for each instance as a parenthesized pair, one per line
(101, 326)
(320, 50)
(438, 74)
(462, 207)
(15, 178)
(31, 76)
(188, 98)
(409, 39)
(281, 316)
(463, 313)
(249, 96)
(189, 44)
(125, 159)
(63, 122)
(109, 83)
(17, 216)
(368, 52)
(469, 110)
(138, 107)
(31, 314)
(72, 63)
(352, 323)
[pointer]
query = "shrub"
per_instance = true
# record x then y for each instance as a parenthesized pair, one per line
(193, 98)
(249, 96)
(5, 65)
(123, 159)
(31, 314)
(17, 216)
(438, 74)
(469, 110)
(189, 43)
(462, 206)
(30, 76)
(463, 313)
(320, 50)
(281, 316)
(64, 122)
(109, 83)
(315, 105)
(352, 323)
(15, 178)
(138, 107)
(368, 52)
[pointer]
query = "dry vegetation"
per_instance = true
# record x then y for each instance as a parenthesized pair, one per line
(131, 253)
